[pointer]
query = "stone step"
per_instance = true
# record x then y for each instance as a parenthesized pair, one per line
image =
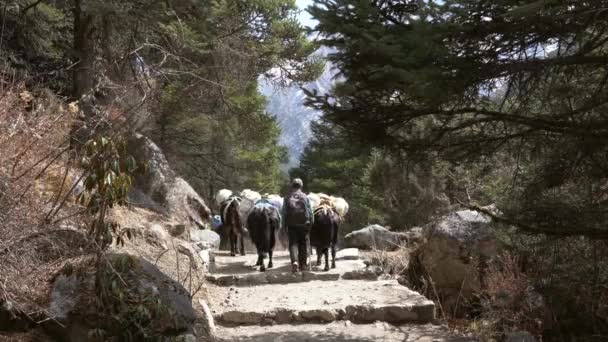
(340, 331)
(240, 270)
(358, 301)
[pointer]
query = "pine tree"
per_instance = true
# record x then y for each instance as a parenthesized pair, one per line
(469, 80)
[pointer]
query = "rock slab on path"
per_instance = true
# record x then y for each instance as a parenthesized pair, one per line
(319, 301)
(240, 270)
(337, 331)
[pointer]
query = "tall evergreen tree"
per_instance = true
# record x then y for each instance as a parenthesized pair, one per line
(463, 80)
(182, 71)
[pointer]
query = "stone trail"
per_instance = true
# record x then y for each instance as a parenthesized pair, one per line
(349, 303)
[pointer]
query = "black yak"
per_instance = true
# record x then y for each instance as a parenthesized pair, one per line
(324, 234)
(263, 222)
(233, 226)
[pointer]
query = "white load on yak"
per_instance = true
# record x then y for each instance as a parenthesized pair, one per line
(338, 203)
(276, 201)
(248, 199)
(222, 196)
(314, 199)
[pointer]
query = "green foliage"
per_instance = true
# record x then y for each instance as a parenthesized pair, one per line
(450, 82)
(108, 176)
(488, 102)
(195, 64)
(132, 314)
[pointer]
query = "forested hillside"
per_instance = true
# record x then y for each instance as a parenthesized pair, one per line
(119, 121)
(183, 72)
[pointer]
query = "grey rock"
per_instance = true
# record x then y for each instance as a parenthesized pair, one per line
(208, 259)
(284, 278)
(64, 296)
(189, 251)
(160, 188)
(283, 316)
(207, 319)
(325, 276)
(390, 313)
(176, 229)
(70, 300)
(205, 239)
(323, 315)
(375, 237)
(252, 280)
(452, 245)
(366, 274)
(157, 235)
(348, 254)
(415, 236)
(242, 317)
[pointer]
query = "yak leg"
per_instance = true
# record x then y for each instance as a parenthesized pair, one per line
(333, 256)
(233, 238)
(326, 253)
(261, 258)
(319, 256)
(270, 258)
(242, 244)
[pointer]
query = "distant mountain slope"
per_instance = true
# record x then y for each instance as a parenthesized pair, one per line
(287, 104)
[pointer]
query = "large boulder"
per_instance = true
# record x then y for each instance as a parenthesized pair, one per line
(150, 299)
(375, 237)
(206, 239)
(456, 249)
(159, 187)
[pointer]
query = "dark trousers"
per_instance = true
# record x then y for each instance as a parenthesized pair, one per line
(299, 242)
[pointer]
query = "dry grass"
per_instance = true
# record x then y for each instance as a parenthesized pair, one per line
(508, 301)
(394, 263)
(30, 336)
(34, 177)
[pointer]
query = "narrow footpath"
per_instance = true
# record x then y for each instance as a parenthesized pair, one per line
(349, 303)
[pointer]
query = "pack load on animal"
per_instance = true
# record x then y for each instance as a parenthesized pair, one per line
(314, 199)
(339, 204)
(264, 222)
(222, 196)
(276, 201)
(296, 213)
(248, 200)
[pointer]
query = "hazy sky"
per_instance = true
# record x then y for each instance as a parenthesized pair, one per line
(305, 18)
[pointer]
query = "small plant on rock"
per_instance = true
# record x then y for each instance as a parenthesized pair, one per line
(108, 173)
(108, 169)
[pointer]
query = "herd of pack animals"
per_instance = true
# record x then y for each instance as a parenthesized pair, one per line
(261, 217)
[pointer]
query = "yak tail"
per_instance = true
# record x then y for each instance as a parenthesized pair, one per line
(335, 222)
(270, 225)
(274, 223)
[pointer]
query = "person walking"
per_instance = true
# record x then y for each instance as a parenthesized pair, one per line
(297, 219)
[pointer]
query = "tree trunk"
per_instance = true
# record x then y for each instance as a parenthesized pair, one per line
(84, 50)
